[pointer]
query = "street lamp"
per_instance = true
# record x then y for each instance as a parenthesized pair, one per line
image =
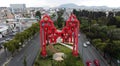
(118, 61)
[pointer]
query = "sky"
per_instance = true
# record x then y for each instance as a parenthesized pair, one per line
(54, 3)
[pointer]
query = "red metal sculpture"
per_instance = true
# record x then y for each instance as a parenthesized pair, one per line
(49, 34)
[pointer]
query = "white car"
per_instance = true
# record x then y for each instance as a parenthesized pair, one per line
(87, 42)
(84, 44)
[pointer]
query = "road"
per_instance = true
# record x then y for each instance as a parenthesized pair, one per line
(30, 51)
(89, 53)
(3, 56)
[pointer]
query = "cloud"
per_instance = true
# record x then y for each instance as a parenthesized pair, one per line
(109, 3)
(53, 3)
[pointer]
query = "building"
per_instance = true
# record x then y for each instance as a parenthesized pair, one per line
(3, 30)
(24, 23)
(18, 8)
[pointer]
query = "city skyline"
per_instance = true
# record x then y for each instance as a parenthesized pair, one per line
(55, 3)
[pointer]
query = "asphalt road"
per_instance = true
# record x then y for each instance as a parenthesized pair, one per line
(4, 55)
(29, 52)
(89, 53)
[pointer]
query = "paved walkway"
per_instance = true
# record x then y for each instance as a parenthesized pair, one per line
(1, 51)
(67, 45)
(4, 56)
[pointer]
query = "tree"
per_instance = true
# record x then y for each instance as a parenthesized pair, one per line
(117, 13)
(20, 37)
(38, 15)
(102, 21)
(25, 62)
(114, 34)
(53, 15)
(75, 12)
(96, 41)
(111, 21)
(111, 14)
(116, 48)
(11, 47)
(100, 45)
(5, 47)
(16, 44)
(117, 21)
(60, 21)
(108, 50)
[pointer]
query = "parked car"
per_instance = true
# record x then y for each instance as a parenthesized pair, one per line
(88, 63)
(96, 62)
(85, 45)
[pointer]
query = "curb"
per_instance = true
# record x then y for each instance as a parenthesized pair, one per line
(8, 60)
(66, 45)
(100, 55)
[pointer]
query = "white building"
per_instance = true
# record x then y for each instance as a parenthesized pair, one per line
(25, 23)
(3, 30)
(18, 8)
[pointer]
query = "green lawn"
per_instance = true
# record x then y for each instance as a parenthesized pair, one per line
(68, 61)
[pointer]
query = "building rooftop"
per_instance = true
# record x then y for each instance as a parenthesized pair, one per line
(3, 28)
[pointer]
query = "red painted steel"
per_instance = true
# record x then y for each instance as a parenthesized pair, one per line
(49, 34)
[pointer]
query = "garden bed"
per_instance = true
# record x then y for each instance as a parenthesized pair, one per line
(68, 61)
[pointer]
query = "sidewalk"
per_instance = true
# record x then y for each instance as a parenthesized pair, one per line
(8, 60)
(1, 51)
(4, 56)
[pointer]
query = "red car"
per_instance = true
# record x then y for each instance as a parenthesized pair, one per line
(96, 62)
(88, 63)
